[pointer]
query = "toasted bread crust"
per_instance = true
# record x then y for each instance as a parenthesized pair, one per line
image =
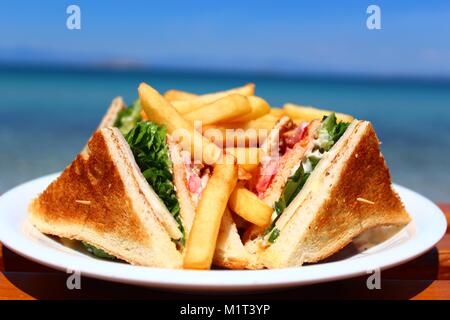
(109, 119)
(317, 231)
(91, 201)
(180, 180)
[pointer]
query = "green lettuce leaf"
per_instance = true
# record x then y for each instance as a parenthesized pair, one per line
(330, 131)
(97, 252)
(129, 117)
(274, 235)
(147, 141)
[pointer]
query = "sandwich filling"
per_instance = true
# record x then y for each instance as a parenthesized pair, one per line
(291, 138)
(147, 141)
(128, 118)
(328, 133)
(197, 176)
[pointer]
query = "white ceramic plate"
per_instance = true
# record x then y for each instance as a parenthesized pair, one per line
(425, 230)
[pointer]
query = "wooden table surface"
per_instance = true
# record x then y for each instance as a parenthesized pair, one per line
(427, 277)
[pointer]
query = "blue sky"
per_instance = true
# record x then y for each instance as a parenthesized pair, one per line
(247, 35)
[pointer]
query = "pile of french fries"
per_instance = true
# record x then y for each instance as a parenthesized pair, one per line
(233, 124)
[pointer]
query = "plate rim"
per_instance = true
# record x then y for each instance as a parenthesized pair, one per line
(229, 280)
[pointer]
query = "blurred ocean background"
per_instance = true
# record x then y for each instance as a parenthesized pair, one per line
(47, 115)
(57, 82)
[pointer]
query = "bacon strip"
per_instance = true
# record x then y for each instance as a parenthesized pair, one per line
(197, 176)
(297, 141)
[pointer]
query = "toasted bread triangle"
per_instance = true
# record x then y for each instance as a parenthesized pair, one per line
(230, 251)
(100, 199)
(348, 193)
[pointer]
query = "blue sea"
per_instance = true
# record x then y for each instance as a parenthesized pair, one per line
(47, 115)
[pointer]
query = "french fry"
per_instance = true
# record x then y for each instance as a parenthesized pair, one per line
(171, 95)
(269, 117)
(185, 106)
(252, 124)
(224, 109)
(297, 121)
(277, 112)
(213, 202)
(215, 134)
(243, 174)
(247, 205)
(259, 108)
(267, 122)
(226, 137)
(309, 113)
(259, 124)
(247, 158)
(246, 90)
(143, 115)
(159, 110)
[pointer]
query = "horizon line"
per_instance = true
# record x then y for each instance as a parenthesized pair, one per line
(219, 72)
